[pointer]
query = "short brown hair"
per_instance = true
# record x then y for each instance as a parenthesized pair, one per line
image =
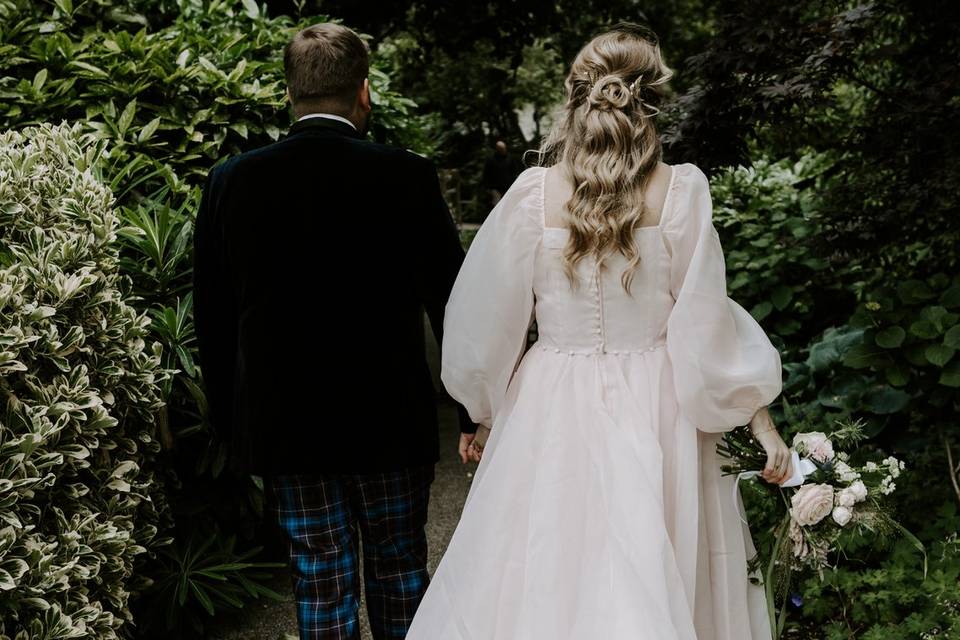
(325, 63)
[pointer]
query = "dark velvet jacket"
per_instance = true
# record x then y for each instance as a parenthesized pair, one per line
(314, 258)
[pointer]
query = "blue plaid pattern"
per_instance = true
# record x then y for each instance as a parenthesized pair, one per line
(324, 517)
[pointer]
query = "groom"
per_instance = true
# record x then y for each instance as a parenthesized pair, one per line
(313, 259)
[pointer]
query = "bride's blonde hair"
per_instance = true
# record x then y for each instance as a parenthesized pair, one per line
(605, 140)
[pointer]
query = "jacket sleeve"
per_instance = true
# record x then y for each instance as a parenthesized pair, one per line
(438, 256)
(214, 307)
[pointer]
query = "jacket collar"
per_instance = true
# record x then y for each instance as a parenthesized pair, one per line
(325, 124)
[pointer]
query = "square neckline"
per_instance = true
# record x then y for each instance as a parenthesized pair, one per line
(667, 202)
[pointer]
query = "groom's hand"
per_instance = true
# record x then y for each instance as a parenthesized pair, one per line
(466, 439)
(472, 444)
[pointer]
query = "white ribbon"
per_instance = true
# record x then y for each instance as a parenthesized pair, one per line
(801, 469)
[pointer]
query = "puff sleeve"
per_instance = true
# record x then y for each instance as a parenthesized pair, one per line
(724, 365)
(490, 307)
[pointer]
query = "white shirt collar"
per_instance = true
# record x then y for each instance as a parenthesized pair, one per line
(331, 116)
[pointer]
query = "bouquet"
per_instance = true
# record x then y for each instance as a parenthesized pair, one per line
(826, 497)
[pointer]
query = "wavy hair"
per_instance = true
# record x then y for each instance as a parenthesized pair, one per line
(606, 142)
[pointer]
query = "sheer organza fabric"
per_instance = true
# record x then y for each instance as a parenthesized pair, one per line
(599, 509)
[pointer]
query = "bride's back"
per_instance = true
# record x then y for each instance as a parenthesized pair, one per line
(594, 313)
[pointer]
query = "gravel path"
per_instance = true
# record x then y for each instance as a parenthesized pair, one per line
(277, 620)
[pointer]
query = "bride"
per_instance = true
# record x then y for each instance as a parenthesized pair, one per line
(598, 509)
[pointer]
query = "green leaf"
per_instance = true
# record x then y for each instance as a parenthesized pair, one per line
(89, 67)
(202, 597)
(939, 354)
(950, 376)
(739, 280)
(781, 297)
(885, 400)
(240, 128)
(952, 337)
(833, 346)
(7, 537)
(951, 297)
(924, 329)
(7, 583)
(126, 118)
(237, 72)
(891, 337)
(761, 311)
(938, 316)
(914, 541)
(39, 80)
(863, 355)
(251, 8)
(914, 291)
(898, 375)
(148, 130)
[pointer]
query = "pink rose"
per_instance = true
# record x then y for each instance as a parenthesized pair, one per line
(822, 451)
(814, 444)
(811, 503)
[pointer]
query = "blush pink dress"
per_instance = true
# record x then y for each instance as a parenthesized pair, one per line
(598, 510)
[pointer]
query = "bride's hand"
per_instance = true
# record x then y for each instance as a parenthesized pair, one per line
(471, 445)
(778, 467)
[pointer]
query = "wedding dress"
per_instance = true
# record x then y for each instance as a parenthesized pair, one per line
(598, 511)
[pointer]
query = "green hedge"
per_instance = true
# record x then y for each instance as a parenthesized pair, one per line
(80, 396)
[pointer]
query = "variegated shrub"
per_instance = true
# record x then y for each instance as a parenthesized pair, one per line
(78, 397)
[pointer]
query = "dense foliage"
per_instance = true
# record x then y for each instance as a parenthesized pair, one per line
(78, 494)
(854, 346)
(868, 82)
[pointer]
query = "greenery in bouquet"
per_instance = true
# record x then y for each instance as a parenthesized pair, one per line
(833, 495)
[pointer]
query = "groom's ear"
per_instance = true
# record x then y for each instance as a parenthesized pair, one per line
(364, 96)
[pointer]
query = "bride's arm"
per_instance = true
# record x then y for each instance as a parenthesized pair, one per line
(726, 371)
(489, 310)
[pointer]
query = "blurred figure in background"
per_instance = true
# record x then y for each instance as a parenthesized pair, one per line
(499, 172)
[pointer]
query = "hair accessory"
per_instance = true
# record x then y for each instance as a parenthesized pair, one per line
(599, 96)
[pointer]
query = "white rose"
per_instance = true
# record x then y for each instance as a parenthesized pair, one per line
(859, 490)
(842, 515)
(846, 498)
(811, 503)
(844, 471)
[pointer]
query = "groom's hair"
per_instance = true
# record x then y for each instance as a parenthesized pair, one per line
(325, 65)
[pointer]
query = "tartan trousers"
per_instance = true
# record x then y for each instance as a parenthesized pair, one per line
(322, 516)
